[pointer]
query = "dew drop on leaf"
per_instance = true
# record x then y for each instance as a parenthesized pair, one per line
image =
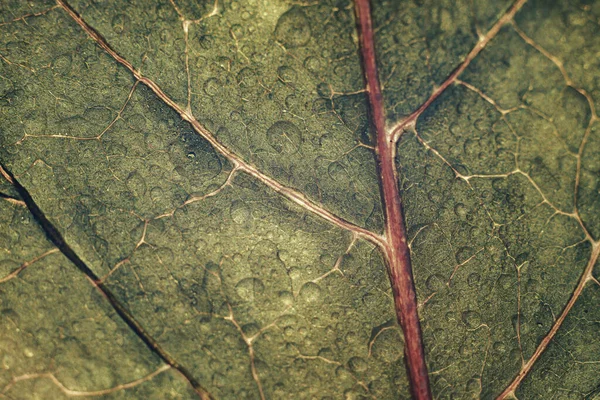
(461, 211)
(336, 171)
(239, 212)
(211, 87)
(237, 30)
(473, 279)
(120, 23)
(310, 292)
(463, 254)
(471, 319)
(293, 29)
(435, 282)
(247, 78)
(357, 364)
(157, 193)
(62, 63)
(499, 347)
(312, 64)
(286, 298)
(249, 288)
(388, 346)
(287, 74)
(284, 137)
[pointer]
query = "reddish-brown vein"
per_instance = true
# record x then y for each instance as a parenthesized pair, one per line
(238, 163)
(396, 251)
(526, 368)
(481, 44)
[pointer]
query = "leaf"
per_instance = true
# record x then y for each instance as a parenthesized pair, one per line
(210, 169)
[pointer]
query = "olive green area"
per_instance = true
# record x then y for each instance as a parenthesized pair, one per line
(420, 42)
(53, 321)
(279, 85)
(588, 197)
(245, 264)
(568, 30)
(249, 292)
(232, 280)
(497, 246)
(7, 189)
(482, 252)
(15, 9)
(569, 367)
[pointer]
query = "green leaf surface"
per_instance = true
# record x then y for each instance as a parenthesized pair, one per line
(234, 214)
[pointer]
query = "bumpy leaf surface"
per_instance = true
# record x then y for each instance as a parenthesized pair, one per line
(232, 213)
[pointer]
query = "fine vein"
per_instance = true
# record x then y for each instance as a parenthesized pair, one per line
(54, 236)
(397, 130)
(238, 163)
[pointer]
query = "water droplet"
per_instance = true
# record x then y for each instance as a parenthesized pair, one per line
(312, 64)
(434, 196)
(450, 316)
(336, 171)
(247, 78)
(200, 247)
(435, 282)
(292, 101)
(284, 137)
(506, 281)
(320, 106)
(463, 254)
(461, 211)
(250, 288)
(473, 385)
(406, 19)
(288, 331)
(250, 329)
(310, 292)
(120, 23)
(206, 42)
(473, 279)
(287, 298)
(293, 29)
(357, 364)
(462, 107)
(471, 318)
(499, 347)
(218, 379)
(62, 63)
(287, 74)
(237, 30)
(388, 346)
(211, 87)
(239, 212)
(157, 194)
(11, 315)
(324, 90)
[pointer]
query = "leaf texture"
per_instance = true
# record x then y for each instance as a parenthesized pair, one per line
(212, 165)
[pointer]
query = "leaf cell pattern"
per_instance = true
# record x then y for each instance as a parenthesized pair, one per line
(212, 164)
